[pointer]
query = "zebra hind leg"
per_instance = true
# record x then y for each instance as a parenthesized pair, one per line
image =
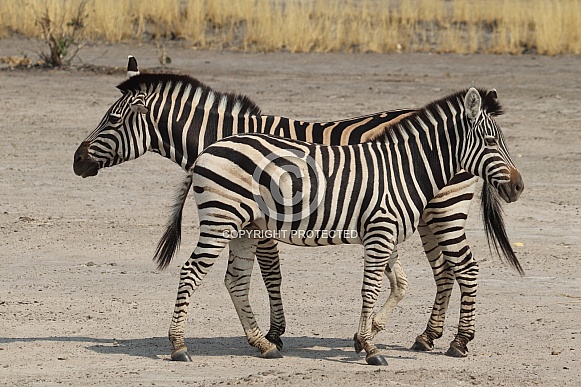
(192, 273)
(237, 280)
(398, 285)
(267, 256)
(377, 254)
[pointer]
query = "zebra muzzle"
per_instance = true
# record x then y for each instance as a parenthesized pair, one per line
(511, 190)
(83, 165)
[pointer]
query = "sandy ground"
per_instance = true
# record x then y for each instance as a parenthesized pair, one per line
(81, 302)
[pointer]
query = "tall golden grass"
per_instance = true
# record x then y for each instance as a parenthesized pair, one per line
(548, 27)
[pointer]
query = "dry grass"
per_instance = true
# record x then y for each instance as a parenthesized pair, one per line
(495, 26)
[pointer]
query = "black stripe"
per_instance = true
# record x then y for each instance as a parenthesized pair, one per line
(362, 180)
(222, 181)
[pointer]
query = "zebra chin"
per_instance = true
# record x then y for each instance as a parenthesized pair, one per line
(86, 169)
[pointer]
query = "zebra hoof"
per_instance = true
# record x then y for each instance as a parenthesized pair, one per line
(457, 350)
(272, 354)
(181, 355)
(422, 345)
(357, 344)
(376, 360)
(276, 340)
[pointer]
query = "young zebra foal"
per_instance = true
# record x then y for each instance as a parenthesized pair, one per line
(305, 194)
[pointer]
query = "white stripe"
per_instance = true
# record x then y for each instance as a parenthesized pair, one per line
(222, 104)
(183, 101)
(207, 106)
(156, 97)
(236, 109)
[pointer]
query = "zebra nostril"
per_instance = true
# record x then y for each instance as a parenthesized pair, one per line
(81, 153)
(79, 159)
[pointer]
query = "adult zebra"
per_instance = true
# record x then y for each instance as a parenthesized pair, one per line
(251, 182)
(140, 121)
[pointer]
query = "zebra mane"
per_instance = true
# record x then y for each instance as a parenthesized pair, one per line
(489, 104)
(151, 81)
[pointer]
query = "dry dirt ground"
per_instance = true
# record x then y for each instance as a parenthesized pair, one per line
(81, 302)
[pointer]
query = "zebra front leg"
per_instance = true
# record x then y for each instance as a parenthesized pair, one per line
(398, 285)
(458, 264)
(269, 262)
(191, 275)
(444, 278)
(444, 240)
(237, 280)
(377, 253)
(466, 273)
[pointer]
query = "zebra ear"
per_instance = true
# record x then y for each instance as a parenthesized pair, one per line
(492, 94)
(132, 69)
(137, 105)
(472, 104)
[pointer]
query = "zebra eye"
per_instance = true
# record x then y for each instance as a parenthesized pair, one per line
(114, 118)
(490, 141)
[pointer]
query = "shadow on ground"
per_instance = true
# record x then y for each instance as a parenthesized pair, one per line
(333, 349)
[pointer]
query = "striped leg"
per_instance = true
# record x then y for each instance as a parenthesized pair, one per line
(237, 281)
(268, 259)
(444, 278)
(192, 273)
(398, 285)
(467, 277)
(377, 254)
(464, 269)
(269, 262)
(451, 259)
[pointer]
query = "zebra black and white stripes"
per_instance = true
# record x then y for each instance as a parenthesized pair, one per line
(181, 118)
(177, 117)
(389, 180)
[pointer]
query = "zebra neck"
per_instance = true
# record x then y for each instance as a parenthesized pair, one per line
(182, 140)
(424, 158)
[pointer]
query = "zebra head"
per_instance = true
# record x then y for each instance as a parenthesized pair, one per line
(120, 136)
(486, 154)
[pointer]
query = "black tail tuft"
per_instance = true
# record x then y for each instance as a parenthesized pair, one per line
(169, 243)
(492, 217)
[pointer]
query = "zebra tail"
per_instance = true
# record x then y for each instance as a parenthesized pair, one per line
(169, 243)
(492, 216)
